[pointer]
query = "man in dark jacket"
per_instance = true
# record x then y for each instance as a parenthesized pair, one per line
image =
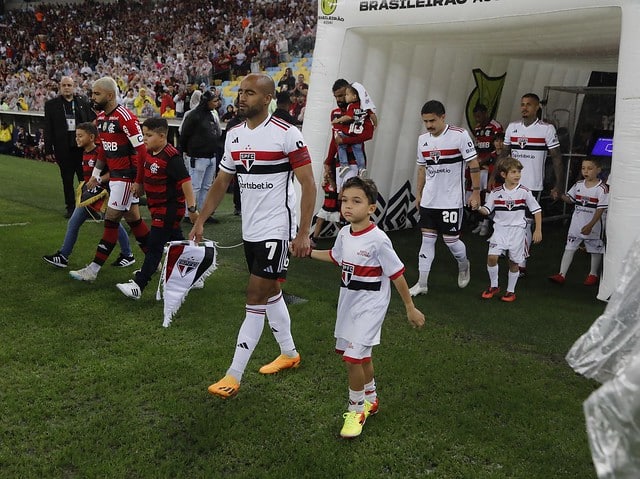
(200, 140)
(61, 115)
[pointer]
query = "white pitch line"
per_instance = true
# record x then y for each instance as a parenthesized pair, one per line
(13, 224)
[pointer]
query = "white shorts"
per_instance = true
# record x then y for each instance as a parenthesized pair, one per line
(120, 196)
(352, 352)
(593, 243)
(330, 216)
(511, 239)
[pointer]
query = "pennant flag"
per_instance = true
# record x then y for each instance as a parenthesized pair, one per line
(186, 265)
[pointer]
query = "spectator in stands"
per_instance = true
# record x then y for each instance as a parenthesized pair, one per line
(301, 87)
(6, 138)
(288, 82)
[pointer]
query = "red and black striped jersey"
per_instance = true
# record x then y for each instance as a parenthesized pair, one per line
(89, 159)
(122, 143)
(484, 136)
(164, 175)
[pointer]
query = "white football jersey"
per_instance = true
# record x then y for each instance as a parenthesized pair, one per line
(509, 206)
(529, 145)
(586, 201)
(368, 263)
(264, 159)
(445, 158)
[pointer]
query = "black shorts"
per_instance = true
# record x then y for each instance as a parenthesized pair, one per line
(267, 259)
(446, 222)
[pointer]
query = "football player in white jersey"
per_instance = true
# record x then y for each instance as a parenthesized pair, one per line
(528, 141)
(509, 203)
(266, 153)
(444, 152)
(590, 197)
(369, 263)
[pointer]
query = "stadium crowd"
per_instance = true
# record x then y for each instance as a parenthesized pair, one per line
(159, 47)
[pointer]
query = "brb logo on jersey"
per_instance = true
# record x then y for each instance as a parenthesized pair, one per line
(347, 273)
(247, 160)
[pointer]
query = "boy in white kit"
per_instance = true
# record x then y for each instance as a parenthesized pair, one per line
(368, 263)
(590, 197)
(509, 203)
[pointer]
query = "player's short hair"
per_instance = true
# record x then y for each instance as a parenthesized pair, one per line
(106, 83)
(159, 125)
(367, 185)
(508, 164)
(89, 127)
(594, 160)
(499, 136)
(340, 83)
(434, 107)
(480, 107)
(533, 96)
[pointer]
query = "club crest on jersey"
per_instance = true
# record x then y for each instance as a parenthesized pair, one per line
(522, 141)
(247, 159)
(509, 204)
(347, 273)
(434, 155)
(154, 168)
(186, 266)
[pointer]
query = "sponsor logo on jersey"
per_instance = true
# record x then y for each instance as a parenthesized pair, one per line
(250, 185)
(431, 171)
(364, 253)
(247, 160)
(347, 272)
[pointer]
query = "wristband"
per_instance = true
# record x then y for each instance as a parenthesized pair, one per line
(474, 170)
(475, 188)
(96, 173)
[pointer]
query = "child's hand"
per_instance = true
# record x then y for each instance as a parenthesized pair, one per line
(415, 317)
(537, 236)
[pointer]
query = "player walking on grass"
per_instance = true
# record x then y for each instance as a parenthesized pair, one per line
(444, 152)
(369, 263)
(266, 153)
(122, 148)
(86, 136)
(590, 197)
(509, 203)
(168, 186)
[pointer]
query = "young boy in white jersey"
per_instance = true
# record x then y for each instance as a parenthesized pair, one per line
(509, 203)
(590, 197)
(368, 262)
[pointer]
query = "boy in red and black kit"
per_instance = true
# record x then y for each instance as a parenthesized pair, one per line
(167, 185)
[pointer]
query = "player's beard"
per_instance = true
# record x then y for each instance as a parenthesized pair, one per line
(98, 106)
(248, 111)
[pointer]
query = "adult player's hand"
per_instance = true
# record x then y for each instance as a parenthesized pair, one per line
(197, 231)
(474, 200)
(138, 190)
(300, 247)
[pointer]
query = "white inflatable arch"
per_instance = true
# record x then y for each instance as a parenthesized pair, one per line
(408, 51)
